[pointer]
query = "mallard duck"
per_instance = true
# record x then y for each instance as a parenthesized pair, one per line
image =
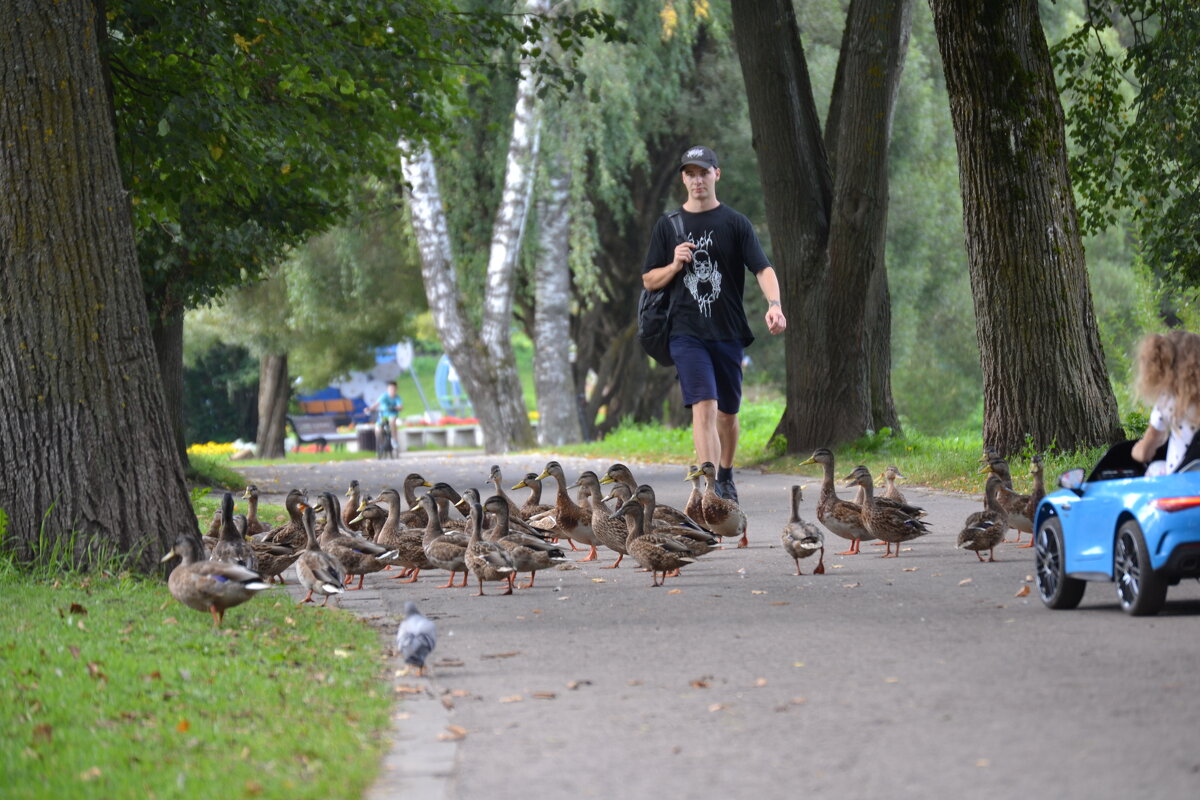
(529, 553)
(694, 507)
(206, 585)
(655, 552)
(533, 504)
(891, 525)
(722, 517)
(318, 570)
(1020, 508)
(619, 473)
(414, 514)
(488, 561)
(357, 555)
(290, 533)
(890, 492)
(213, 534)
(697, 541)
(254, 525)
(403, 543)
(232, 547)
(570, 520)
(444, 550)
(801, 539)
(985, 529)
(415, 638)
(842, 517)
(607, 531)
(354, 496)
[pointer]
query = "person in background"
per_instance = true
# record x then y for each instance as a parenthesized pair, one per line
(709, 330)
(1168, 376)
(389, 405)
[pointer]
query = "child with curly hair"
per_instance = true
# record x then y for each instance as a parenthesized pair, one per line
(1168, 376)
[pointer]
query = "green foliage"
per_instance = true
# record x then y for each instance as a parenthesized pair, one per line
(110, 688)
(240, 129)
(211, 470)
(1131, 77)
(220, 393)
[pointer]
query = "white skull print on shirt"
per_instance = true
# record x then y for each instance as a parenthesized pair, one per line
(703, 278)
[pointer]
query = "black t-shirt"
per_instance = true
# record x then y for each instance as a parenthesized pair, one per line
(708, 291)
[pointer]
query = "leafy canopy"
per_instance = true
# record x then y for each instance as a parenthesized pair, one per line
(242, 126)
(1131, 78)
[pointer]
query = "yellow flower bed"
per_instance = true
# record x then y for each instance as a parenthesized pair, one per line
(211, 449)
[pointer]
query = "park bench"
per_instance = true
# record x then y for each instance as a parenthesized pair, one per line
(319, 429)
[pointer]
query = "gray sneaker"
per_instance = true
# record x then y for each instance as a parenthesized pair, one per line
(727, 490)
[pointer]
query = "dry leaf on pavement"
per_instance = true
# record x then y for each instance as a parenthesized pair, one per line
(1023, 591)
(964, 581)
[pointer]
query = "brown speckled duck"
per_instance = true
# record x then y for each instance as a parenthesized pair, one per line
(801, 539)
(891, 525)
(985, 529)
(487, 561)
(842, 517)
(529, 553)
(232, 547)
(654, 551)
(318, 570)
(723, 517)
(570, 520)
(206, 585)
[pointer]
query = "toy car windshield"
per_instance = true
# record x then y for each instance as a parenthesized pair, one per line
(1118, 463)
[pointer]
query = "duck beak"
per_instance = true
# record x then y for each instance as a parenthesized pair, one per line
(170, 554)
(810, 460)
(359, 518)
(543, 475)
(607, 479)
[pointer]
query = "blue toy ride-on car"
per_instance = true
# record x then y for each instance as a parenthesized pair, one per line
(1117, 525)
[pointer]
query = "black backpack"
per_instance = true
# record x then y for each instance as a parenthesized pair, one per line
(654, 309)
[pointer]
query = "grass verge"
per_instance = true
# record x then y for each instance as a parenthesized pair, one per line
(943, 462)
(110, 688)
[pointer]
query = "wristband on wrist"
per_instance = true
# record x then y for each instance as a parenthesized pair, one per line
(772, 303)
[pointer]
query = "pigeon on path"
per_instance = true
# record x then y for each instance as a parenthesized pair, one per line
(416, 637)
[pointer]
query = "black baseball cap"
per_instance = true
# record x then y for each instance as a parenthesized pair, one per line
(700, 156)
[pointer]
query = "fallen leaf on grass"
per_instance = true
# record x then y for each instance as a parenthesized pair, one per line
(77, 609)
(253, 788)
(543, 695)
(502, 655)
(90, 774)
(74, 651)
(341, 653)
(183, 726)
(43, 732)
(515, 698)
(964, 581)
(170, 621)
(93, 669)
(453, 733)
(1022, 592)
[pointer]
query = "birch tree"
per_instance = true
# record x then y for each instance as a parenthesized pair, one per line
(558, 413)
(483, 358)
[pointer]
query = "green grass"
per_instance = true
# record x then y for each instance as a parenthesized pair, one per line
(110, 688)
(944, 462)
(214, 471)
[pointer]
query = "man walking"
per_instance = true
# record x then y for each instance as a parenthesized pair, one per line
(709, 330)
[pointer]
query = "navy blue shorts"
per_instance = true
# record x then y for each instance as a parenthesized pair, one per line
(709, 370)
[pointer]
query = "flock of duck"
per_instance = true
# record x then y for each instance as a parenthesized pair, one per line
(496, 539)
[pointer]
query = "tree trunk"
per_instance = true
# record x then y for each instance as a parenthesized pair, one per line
(485, 363)
(167, 333)
(798, 189)
(858, 134)
(828, 235)
(1043, 365)
(274, 391)
(558, 409)
(90, 461)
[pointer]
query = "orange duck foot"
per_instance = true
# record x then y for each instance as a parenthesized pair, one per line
(592, 555)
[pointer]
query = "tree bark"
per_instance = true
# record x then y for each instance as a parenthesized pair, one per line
(1043, 365)
(558, 409)
(274, 391)
(90, 462)
(826, 204)
(167, 333)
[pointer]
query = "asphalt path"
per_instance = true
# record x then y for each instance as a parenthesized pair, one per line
(927, 675)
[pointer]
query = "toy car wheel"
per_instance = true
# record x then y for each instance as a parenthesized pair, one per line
(1139, 588)
(1056, 589)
